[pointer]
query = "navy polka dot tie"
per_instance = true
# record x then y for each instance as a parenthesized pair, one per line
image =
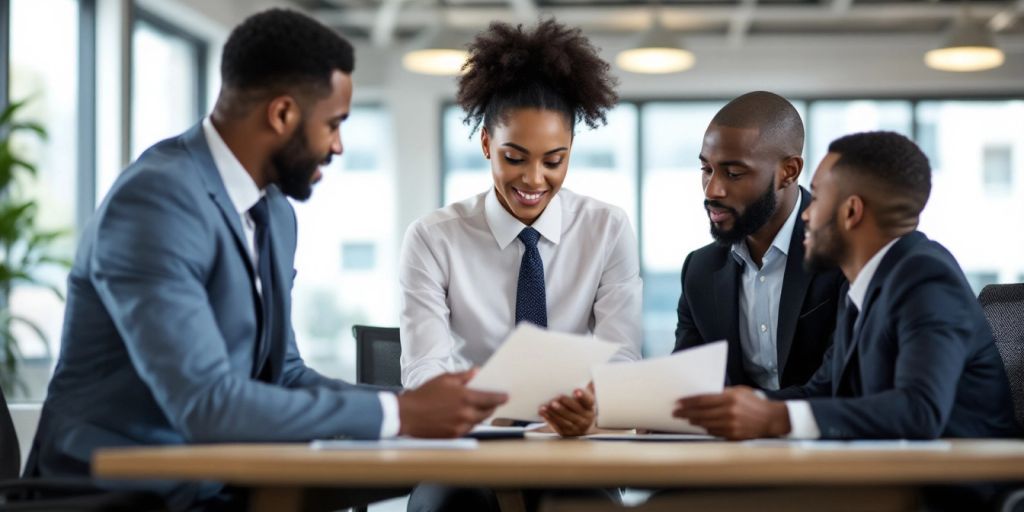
(531, 302)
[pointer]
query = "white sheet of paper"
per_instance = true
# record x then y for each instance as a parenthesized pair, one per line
(644, 393)
(534, 366)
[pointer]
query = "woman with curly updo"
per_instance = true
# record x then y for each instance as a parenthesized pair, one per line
(526, 250)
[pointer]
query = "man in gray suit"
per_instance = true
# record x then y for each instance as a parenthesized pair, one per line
(177, 327)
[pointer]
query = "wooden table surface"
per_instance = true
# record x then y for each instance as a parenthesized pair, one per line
(566, 463)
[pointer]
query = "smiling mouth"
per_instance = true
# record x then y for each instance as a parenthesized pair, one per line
(718, 215)
(529, 198)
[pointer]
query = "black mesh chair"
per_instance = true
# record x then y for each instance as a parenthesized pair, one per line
(56, 494)
(378, 355)
(1004, 308)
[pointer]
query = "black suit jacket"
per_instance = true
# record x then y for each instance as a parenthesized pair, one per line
(923, 363)
(709, 308)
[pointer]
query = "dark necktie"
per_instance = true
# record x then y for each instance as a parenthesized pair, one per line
(261, 219)
(531, 302)
(851, 387)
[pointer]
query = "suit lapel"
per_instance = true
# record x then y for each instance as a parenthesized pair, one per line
(794, 288)
(282, 285)
(895, 254)
(195, 141)
(725, 283)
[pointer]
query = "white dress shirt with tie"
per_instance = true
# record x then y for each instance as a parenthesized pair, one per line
(244, 194)
(459, 271)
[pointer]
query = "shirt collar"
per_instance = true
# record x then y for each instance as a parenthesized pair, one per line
(859, 286)
(781, 242)
(241, 188)
(506, 228)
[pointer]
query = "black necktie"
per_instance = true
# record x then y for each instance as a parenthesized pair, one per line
(261, 219)
(851, 387)
(531, 302)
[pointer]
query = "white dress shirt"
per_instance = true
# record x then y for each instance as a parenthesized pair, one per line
(760, 294)
(801, 417)
(244, 194)
(459, 271)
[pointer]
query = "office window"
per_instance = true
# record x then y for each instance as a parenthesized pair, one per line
(975, 203)
(358, 256)
(829, 120)
(44, 70)
(168, 81)
(997, 163)
(353, 211)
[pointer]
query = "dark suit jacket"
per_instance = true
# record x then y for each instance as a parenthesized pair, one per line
(161, 341)
(709, 308)
(923, 363)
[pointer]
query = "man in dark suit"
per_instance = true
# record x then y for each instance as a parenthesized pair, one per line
(178, 327)
(749, 287)
(913, 355)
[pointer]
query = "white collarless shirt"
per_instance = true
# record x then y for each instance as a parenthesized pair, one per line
(244, 194)
(459, 272)
(801, 416)
(760, 297)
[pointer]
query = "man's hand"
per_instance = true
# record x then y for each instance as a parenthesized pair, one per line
(445, 407)
(736, 413)
(571, 416)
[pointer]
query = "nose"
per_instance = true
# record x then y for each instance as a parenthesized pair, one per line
(713, 186)
(336, 146)
(534, 176)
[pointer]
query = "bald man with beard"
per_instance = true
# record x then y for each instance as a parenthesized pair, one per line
(749, 287)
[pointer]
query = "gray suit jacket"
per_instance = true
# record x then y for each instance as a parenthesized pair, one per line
(161, 330)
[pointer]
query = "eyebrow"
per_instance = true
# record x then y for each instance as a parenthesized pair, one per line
(727, 163)
(523, 150)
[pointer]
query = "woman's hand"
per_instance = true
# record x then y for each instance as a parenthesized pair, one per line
(571, 416)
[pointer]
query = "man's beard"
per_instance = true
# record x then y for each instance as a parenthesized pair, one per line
(295, 165)
(753, 219)
(826, 249)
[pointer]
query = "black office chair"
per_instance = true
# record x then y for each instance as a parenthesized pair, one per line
(56, 494)
(1004, 308)
(378, 355)
(378, 359)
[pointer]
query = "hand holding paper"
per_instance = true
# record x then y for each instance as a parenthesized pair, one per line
(535, 366)
(644, 394)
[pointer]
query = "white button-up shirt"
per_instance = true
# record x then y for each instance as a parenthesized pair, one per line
(244, 194)
(760, 293)
(459, 272)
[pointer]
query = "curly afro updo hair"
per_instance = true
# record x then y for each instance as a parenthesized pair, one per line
(551, 67)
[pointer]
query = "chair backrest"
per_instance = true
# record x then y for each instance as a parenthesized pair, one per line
(378, 355)
(10, 450)
(1004, 308)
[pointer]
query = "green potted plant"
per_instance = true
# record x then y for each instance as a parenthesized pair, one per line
(24, 248)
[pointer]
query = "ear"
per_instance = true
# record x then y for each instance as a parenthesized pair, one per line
(789, 171)
(283, 114)
(485, 142)
(852, 212)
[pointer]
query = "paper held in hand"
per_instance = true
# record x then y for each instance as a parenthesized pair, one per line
(643, 394)
(534, 366)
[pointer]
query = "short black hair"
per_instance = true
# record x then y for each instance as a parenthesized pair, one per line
(774, 116)
(279, 49)
(550, 67)
(894, 168)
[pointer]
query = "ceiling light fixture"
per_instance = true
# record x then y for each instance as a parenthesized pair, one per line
(657, 51)
(969, 47)
(438, 52)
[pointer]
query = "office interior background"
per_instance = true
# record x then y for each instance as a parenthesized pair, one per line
(108, 78)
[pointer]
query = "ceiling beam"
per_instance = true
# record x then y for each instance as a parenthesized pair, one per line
(384, 22)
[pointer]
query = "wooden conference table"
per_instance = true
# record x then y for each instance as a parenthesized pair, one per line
(849, 476)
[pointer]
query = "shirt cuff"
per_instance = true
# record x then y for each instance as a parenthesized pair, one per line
(802, 424)
(390, 422)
